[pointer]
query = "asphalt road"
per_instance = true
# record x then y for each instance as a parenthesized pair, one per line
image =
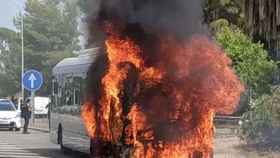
(38, 145)
(33, 145)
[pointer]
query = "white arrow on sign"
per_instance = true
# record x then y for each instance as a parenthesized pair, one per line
(32, 79)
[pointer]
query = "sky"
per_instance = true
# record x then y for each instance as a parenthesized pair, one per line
(9, 9)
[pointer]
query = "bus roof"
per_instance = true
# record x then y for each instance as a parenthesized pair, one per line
(78, 64)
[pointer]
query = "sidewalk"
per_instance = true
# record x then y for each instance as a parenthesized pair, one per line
(40, 124)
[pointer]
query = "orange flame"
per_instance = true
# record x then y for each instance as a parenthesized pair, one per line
(173, 102)
(88, 114)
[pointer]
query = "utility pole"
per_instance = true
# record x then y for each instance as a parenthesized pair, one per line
(22, 58)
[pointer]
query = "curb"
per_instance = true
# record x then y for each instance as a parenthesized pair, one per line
(39, 129)
(33, 127)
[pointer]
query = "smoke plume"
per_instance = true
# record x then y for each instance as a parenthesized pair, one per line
(182, 18)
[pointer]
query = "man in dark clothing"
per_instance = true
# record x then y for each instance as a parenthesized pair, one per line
(26, 114)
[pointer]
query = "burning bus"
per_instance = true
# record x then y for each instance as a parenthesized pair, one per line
(160, 82)
(155, 87)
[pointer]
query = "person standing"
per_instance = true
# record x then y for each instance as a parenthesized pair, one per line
(26, 114)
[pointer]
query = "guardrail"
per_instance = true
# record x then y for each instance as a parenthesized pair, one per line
(226, 120)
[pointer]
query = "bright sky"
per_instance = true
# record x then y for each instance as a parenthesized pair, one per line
(9, 9)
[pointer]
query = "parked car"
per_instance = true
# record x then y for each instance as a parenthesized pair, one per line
(9, 116)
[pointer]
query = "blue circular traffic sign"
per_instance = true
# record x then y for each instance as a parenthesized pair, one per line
(32, 80)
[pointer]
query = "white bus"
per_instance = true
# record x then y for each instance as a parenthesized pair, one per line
(68, 88)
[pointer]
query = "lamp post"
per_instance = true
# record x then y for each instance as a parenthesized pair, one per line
(19, 7)
(22, 58)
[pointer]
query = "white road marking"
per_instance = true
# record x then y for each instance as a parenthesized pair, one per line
(12, 151)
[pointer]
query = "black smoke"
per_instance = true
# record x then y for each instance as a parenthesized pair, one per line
(182, 18)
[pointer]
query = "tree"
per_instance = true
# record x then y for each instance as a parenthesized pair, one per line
(51, 34)
(10, 62)
(260, 19)
(260, 124)
(250, 60)
(263, 22)
(231, 10)
(50, 27)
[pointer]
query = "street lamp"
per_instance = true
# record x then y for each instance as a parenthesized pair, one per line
(22, 58)
(22, 47)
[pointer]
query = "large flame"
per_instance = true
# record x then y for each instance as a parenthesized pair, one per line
(165, 109)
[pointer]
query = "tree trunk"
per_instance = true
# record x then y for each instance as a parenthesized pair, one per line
(263, 21)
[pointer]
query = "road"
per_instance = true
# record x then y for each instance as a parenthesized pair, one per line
(34, 145)
(37, 145)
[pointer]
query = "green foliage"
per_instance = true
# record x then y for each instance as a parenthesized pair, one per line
(260, 123)
(250, 60)
(50, 26)
(50, 34)
(9, 62)
(230, 10)
(50, 30)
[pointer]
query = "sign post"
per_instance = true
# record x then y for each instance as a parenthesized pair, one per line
(32, 81)
(32, 102)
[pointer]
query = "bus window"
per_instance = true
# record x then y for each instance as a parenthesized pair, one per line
(77, 90)
(55, 87)
(77, 97)
(70, 94)
(67, 91)
(55, 94)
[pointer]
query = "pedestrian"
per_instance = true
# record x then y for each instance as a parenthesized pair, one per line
(26, 114)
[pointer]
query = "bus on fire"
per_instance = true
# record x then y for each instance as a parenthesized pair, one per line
(68, 92)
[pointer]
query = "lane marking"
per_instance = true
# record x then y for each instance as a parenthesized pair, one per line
(12, 151)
